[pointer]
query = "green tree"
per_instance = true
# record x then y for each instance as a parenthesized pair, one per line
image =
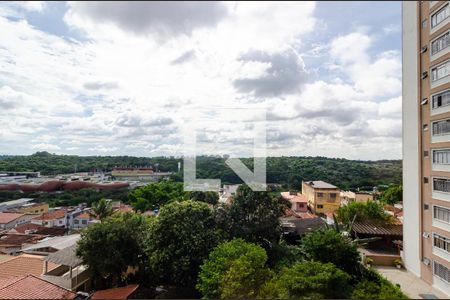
(102, 209)
(254, 217)
(180, 238)
(392, 195)
(155, 195)
(110, 247)
(234, 269)
(308, 280)
(208, 197)
(370, 211)
(327, 245)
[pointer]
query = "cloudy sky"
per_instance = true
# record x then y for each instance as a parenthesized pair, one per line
(135, 78)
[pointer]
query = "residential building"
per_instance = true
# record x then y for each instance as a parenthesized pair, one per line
(426, 141)
(8, 205)
(227, 192)
(322, 197)
(11, 243)
(299, 202)
(25, 264)
(83, 220)
(11, 220)
(126, 292)
(30, 228)
(55, 218)
(51, 244)
(349, 196)
(31, 208)
(32, 287)
(70, 273)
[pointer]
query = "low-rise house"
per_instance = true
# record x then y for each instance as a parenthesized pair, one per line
(83, 220)
(30, 228)
(294, 227)
(11, 243)
(56, 218)
(299, 202)
(359, 196)
(24, 264)
(70, 273)
(126, 292)
(228, 192)
(322, 197)
(11, 220)
(8, 205)
(32, 287)
(50, 245)
(31, 208)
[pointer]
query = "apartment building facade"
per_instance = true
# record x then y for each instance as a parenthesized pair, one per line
(322, 197)
(426, 140)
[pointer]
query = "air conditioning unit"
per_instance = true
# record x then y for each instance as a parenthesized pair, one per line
(426, 261)
(426, 234)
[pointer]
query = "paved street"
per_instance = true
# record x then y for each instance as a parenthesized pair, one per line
(410, 284)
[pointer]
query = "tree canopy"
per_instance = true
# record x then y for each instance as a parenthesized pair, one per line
(370, 211)
(392, 195)
(308, 280)
(154, 195)
(102, 209)
(328, 245)
(234, 269)
(110, 247)
(178, 241)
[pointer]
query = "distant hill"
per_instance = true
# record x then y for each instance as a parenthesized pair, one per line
(288, 171)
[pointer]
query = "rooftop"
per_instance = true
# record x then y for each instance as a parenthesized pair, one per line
(116, 293)
(378, 229)
(84, 216)
(319, 184)
(51, 215)
(38, 229)
(66, 257)
(23, 265)
(17, 239)
(305, 225)
(294, 198)
(16, 202)
(6, 218)
(31, 287)
(58, 243)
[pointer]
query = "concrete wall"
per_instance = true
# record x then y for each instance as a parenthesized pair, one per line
(411, 179)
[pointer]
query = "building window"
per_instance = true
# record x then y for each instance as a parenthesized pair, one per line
(333, 196)
(440, 71)
(319, 194)
(441, 185)
(425, 180)
(441, 157)
(75, 221)
(441, 271)
(425, 153)
(441, 127)
(84, 222)
(441, 242)
(439, 16)
(440, 43)
(441, 213)
(319, 206)
(441, 100)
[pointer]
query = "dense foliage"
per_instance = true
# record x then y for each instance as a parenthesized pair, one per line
(370, 211)
(102, 209)
(392, 195)
(308, 280)
(234, 269)
(288, 171)
(110, 247)
(178, 241)
(328, 245)
(153, 196)
(375, 286)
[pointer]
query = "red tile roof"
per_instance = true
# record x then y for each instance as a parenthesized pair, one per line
(116, 293)
(57, 214)
(18, 239)
(28, 226)
(84, 216)
(6, 218)
(31, 287)
(23, 265)
(294, 198)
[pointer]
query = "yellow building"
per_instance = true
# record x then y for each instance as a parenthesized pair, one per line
(32, 208)
(322, 197)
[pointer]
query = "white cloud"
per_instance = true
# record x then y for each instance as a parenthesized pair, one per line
(45, 147)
